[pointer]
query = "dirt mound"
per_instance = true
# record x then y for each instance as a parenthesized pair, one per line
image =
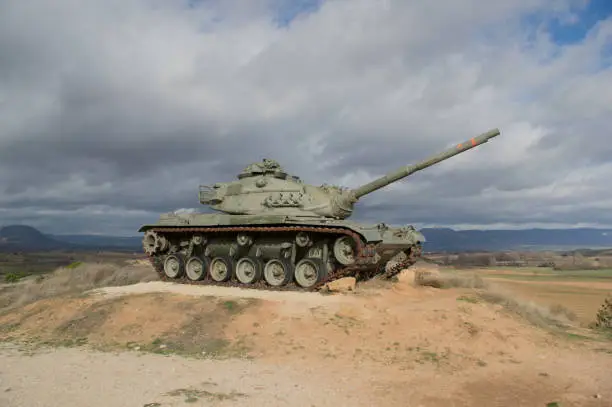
(419, 344)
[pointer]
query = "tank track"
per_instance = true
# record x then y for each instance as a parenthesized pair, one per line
(362, 269)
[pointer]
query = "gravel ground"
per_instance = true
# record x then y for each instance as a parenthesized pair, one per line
(76, 377)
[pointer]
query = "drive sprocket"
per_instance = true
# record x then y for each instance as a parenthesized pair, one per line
(153, 243)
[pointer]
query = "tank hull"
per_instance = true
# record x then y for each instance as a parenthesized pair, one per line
(275, 252)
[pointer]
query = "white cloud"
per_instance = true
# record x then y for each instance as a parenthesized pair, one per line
(134, 104)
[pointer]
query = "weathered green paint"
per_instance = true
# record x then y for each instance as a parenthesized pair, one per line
(264, 193)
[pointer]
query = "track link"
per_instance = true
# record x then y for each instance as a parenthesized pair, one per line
(363, 268)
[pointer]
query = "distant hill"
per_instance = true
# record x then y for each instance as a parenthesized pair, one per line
(22, 237)
(449, 240)
(27, 238)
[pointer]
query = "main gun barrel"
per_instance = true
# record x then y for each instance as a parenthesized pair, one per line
(411, 169)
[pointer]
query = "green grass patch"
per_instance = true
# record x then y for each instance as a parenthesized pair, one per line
(74, 265)
(233, 307)
(14, 277)
(193, 395)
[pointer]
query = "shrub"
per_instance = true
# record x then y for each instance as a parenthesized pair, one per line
(603, 318)
(12, 277)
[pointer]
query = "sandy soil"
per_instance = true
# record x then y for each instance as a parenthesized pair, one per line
(389, 345)
(219, 292)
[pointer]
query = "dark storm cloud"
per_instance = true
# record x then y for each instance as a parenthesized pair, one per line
(112, 112)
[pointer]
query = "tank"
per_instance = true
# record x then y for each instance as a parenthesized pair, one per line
(270, 230)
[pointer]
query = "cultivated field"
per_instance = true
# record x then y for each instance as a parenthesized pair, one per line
(106, 333)
(580, 292)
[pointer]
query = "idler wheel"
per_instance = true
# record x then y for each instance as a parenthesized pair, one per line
(220, 269)
(278, 272)
(309, 272)
(249, 270)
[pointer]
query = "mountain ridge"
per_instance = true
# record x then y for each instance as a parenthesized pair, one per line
(446, 239)
(27, 238)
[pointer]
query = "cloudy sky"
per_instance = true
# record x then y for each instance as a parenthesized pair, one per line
(113, 111)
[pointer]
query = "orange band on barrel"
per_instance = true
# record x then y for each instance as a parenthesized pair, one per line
(473, 142)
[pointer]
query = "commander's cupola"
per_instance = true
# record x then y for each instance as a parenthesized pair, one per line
(266, 167)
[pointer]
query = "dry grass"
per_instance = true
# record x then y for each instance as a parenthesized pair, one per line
(456, 281)
(540, 315)
(556, 315)
(73, 279)
(432, 277)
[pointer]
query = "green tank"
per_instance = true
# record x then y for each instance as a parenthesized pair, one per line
(273, 231)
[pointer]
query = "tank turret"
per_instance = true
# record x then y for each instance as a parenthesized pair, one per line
(273, 231)
(265, 188)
